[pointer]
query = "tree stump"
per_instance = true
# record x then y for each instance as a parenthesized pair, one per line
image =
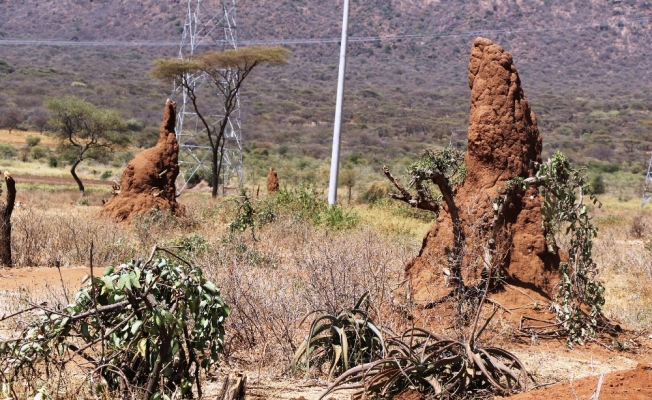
(5, 221)
(234, 387)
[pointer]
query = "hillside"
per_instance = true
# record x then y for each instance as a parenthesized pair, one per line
(584, 66)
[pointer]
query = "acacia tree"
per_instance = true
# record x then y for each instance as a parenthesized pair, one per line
(85, 130)
(225, 71)
(11, 118)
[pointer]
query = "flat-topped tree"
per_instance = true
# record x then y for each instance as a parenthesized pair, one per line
(226, 71)
(85, 129)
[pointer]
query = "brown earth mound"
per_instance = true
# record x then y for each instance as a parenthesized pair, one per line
(148, 180)
(634, 384)
(503, 142)
(272, 181)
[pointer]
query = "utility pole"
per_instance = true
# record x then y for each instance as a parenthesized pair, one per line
(335, 158)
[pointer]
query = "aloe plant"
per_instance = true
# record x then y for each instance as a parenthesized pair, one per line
(436, 365)
(340, 341)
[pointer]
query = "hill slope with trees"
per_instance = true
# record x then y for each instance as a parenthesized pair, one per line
(584, 66)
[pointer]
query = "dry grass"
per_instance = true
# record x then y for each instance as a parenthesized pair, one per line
(624, 252)
(293, 268)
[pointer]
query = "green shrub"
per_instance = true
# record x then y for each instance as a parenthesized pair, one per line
(375, 192)
(106, 175)
(158, 324)
(7, 151)
(597, 184)
(134, 125)
(32, 140)
(38, 152)
(337, 217)
(53, 162)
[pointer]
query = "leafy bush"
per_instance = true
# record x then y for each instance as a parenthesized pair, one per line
(7, 151)
(106, 175)
(53, 162)
(563, 189)
(32, 140)
(375, 192)
(134, 125)
(144, 327)
(38, 152)
(597, 184)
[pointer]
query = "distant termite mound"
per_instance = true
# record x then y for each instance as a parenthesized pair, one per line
(503, 143)
(272, 181)
(148, 180)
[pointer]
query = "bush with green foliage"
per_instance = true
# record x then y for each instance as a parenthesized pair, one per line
(578, 303)
(597, 185)
(147, 329)
(32, 140)
(7, 151)
(38, 152)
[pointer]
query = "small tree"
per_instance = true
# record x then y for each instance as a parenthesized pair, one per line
(226, 71)
(11, 118)
(347, 179)
(87, 130)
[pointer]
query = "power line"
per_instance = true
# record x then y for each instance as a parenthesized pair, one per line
(359, 39)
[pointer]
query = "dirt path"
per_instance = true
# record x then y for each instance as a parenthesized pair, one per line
(38, 278)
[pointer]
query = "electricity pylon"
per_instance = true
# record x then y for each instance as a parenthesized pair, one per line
(647, 186)
(210, 25)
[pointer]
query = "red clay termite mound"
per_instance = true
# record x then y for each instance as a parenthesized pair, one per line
(503, 143)
(148, 180)
(272, 181)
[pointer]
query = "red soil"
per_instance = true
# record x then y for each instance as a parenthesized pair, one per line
(634, 384)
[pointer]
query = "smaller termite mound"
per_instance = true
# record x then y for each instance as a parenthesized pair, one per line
(272, 181)
(148, 181)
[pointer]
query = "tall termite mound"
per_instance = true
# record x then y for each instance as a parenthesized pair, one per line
(272, 181)
(148, 180)
(503, 143)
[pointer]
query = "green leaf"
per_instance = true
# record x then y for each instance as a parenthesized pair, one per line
(108, 270)
(209, 286)
(135, 326)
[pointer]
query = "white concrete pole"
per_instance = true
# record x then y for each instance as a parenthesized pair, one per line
(335, 158)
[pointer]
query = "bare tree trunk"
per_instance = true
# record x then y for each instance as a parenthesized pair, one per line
(74, 175)
(5, 222)
(234, 387)
(215, 170)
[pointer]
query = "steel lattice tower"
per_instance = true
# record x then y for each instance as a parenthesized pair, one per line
(210, 25)
(647, 186)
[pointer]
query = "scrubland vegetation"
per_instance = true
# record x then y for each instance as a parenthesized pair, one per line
(301, 258)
